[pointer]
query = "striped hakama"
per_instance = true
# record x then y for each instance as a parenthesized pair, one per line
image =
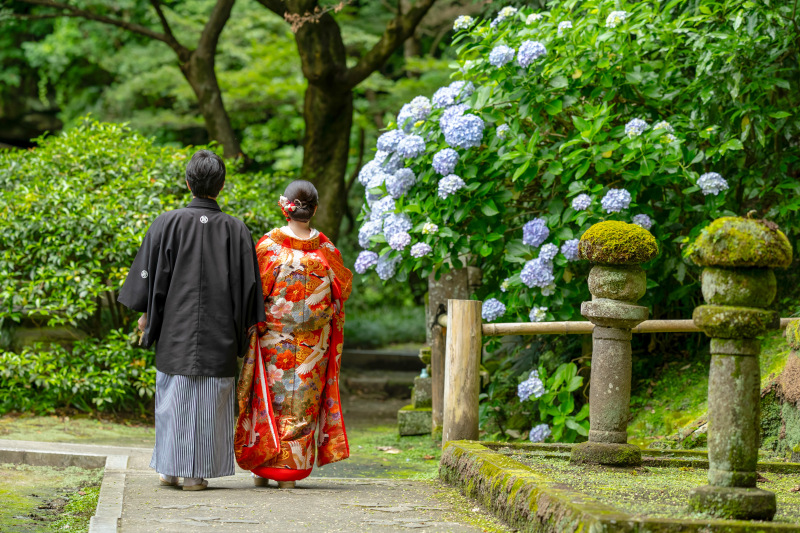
(194, 426)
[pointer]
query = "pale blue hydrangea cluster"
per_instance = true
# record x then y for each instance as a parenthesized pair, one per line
(373, 191)
(616, 17)
(386, 266)
(538, 314)
(418, 109)
(532, 386)
(643, 220)
(530, 51)
(537, 273)
(430, 228)
(420, 249)
(564, 25)
(463, 89)
(450, 185)
(502, 131)
(400, 182)
(367, 171)
(616, 200)
(570, 249)
(492, 309)
(396, 223)
(389, 164)
(504, 13)
(456, 92)
(382, 208)
(539, 433)
(548, 252)
(465, 131)
(365, 260)
(535, 232)
(411, 146)
(368, 230)
(500, 55)
(581, 202)
(462, 23)
(444, 161)
(388, 141)
(533, 17)
(635, 127)
(505, 285)
(712, 183)
(664, 125)
(452, 113)
(399, 240)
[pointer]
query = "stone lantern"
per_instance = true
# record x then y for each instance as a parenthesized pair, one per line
(616, 282)
(738, 284)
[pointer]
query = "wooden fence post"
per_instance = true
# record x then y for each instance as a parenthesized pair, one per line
(462, 370)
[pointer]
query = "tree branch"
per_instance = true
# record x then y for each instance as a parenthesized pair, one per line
(276, 6)
(397, 31)
(164, 23)
(214, 26)
(72, 11)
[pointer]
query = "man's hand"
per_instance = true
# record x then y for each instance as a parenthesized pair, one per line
(142, 322)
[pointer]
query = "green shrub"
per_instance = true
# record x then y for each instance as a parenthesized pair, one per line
(384, 326)
(108, 374)
(76, 209)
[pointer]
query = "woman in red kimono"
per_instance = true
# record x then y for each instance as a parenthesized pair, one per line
(289, 385)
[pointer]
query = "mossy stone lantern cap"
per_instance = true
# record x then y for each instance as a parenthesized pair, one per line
(617, 243)
(733, 242)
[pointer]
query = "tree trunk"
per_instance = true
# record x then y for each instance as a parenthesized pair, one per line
(199, 72)
(328, 114)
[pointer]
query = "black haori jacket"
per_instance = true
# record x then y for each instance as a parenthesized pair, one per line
(196, 276)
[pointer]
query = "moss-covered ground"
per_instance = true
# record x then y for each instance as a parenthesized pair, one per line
(80, 429)
(44, 499)
(677, 395)
(654, 492)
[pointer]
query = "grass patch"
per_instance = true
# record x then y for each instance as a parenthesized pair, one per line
(415, 457)
(81, 429)
(78, 511)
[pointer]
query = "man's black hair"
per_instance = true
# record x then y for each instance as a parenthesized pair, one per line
(205, 174)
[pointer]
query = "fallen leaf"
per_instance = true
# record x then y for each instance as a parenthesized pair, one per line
(428, 457)
(761, 479)
(388, 449)
(795, 489)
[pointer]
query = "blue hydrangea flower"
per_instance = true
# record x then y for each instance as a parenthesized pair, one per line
(395, 223)
(635, 127)
(712, 183)
(421, 249)
(492, 309)
(368, 230)
(548, 252)
(664, 125)
(373, 192)
(535, 232)
(392, 164)
(399, 240)
(500, 55)
(463, 89)
(505, 285)
(533, 17)
(538, 314)
(444, 161)
(668, 138)
(570, 249)
(418, 109)
(388, 141)
(502, 131)
(537, 273)
(382, 208)
(530, 51)
(450, 185)
(616, 17)
(539, 433)
(462, 23)
(532, 386)
(464, 132)
(644, 221)
(411, 146)
(400, 182)
(387, 266)
(430, 228)
(581, 202)
(616, 200)
(367, 171)
(444, 97)
(451, 113)
(504, 13)
(564, 25)
(549, 289)
(365, 260)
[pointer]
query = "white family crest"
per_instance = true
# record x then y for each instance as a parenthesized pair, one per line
(203, 219)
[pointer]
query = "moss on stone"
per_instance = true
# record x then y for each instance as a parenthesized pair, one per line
(736, 242)
(600, 453)
(728, 322)
(792, 334)
(617, 243)
(749, 287)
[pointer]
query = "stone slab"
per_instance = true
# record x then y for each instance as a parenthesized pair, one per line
(422, 395)
(412, 421)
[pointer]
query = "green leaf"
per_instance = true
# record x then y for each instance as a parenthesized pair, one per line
(553, 107)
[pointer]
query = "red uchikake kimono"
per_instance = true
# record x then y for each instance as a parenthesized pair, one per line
(289, 384)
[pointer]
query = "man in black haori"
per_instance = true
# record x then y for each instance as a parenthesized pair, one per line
(196, 280)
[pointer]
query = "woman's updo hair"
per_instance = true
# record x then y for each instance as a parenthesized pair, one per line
(304, 195)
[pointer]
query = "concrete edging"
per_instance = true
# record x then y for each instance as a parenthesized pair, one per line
(534, 503)
(109, 502)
